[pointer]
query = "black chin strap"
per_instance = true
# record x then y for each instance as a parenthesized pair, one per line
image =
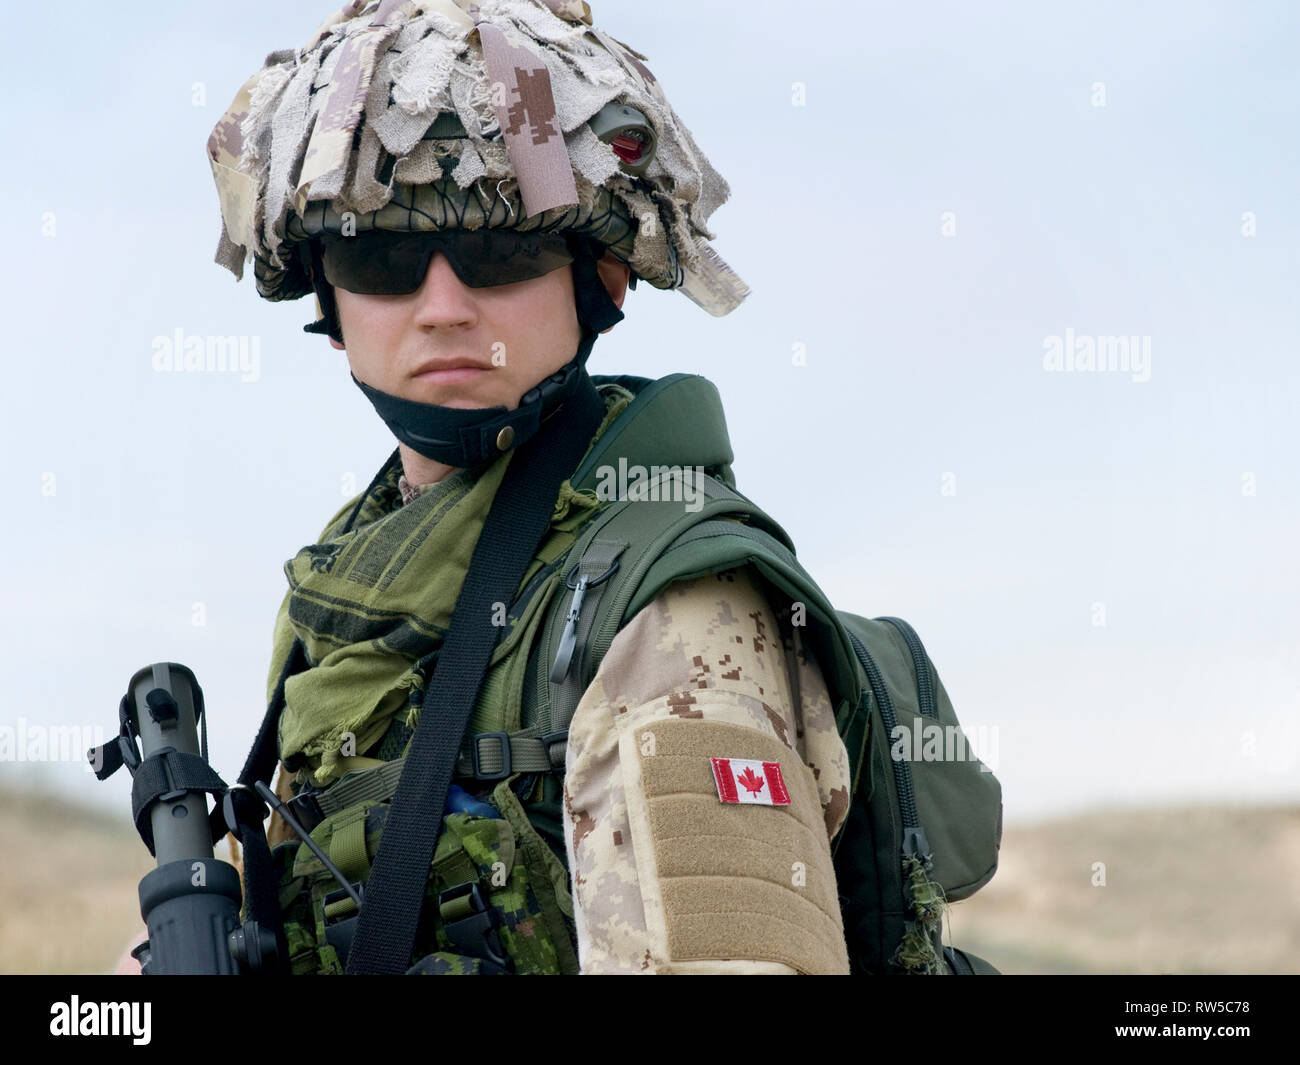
(463, 438)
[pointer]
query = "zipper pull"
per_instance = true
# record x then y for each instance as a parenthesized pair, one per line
(916, 845)
(569, 638)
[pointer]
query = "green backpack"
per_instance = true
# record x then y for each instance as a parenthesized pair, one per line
(919, 833)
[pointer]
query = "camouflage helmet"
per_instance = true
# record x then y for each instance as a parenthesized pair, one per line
(436, 114)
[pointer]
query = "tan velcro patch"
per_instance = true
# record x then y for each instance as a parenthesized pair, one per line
(735, 881)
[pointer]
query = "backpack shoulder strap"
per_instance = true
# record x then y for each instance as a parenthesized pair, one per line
(628, 556)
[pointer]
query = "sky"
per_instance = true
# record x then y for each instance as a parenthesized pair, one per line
(933, 205)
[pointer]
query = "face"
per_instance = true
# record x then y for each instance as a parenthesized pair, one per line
(456, 346)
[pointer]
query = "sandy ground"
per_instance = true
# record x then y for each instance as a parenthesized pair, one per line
(68, 883)
(1186, 890)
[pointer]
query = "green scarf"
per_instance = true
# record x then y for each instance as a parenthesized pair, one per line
(371, 605)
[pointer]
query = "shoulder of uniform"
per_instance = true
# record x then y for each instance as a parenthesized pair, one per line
(704, 630)
(744, 584)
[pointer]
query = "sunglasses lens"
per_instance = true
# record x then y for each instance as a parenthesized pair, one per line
(393, 264)
(484, 258)
(377, 264)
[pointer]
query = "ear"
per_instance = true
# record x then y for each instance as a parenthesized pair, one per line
(320, 313)
(615, 275)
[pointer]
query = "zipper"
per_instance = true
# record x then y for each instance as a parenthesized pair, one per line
(569, 637)
(599, 553)
(542, 687)
(920, 666)
(914, 838)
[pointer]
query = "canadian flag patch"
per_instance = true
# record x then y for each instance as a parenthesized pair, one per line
(745, 780)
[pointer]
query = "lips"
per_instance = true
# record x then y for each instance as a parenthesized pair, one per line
(439, 365)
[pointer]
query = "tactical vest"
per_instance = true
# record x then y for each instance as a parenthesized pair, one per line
(919, 833)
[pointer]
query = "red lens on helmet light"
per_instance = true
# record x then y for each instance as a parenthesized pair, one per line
(627, 148)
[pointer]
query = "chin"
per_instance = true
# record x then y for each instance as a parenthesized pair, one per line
(458, 398)
(470, 392)
(461, 403)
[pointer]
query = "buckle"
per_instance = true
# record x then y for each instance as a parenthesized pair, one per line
(307, 810)
(551, 740)
(339, 929)
(504, 737)
(475, 933)
(340, 895)
(130, 752)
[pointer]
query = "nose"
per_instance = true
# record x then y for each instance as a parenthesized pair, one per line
(443, 299)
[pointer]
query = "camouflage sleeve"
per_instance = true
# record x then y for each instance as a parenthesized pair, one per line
(670, 873)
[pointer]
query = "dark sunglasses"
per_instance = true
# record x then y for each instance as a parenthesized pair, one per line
(383, 263)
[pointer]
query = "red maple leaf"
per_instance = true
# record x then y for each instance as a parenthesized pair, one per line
(750, 781)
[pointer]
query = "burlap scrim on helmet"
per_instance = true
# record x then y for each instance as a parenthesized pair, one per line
(338, 135)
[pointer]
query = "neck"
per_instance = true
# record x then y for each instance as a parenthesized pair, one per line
(420, 469)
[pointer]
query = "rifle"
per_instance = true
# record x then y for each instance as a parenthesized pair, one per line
(191, 903)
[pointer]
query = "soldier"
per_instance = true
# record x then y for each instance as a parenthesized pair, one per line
(469, 190)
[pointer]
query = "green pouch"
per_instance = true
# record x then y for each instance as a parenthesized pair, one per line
(496, 900)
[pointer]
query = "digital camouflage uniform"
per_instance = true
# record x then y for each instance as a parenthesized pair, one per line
(665, 877)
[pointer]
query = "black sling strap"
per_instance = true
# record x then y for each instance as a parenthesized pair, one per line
(245, 811)
(519, 518)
